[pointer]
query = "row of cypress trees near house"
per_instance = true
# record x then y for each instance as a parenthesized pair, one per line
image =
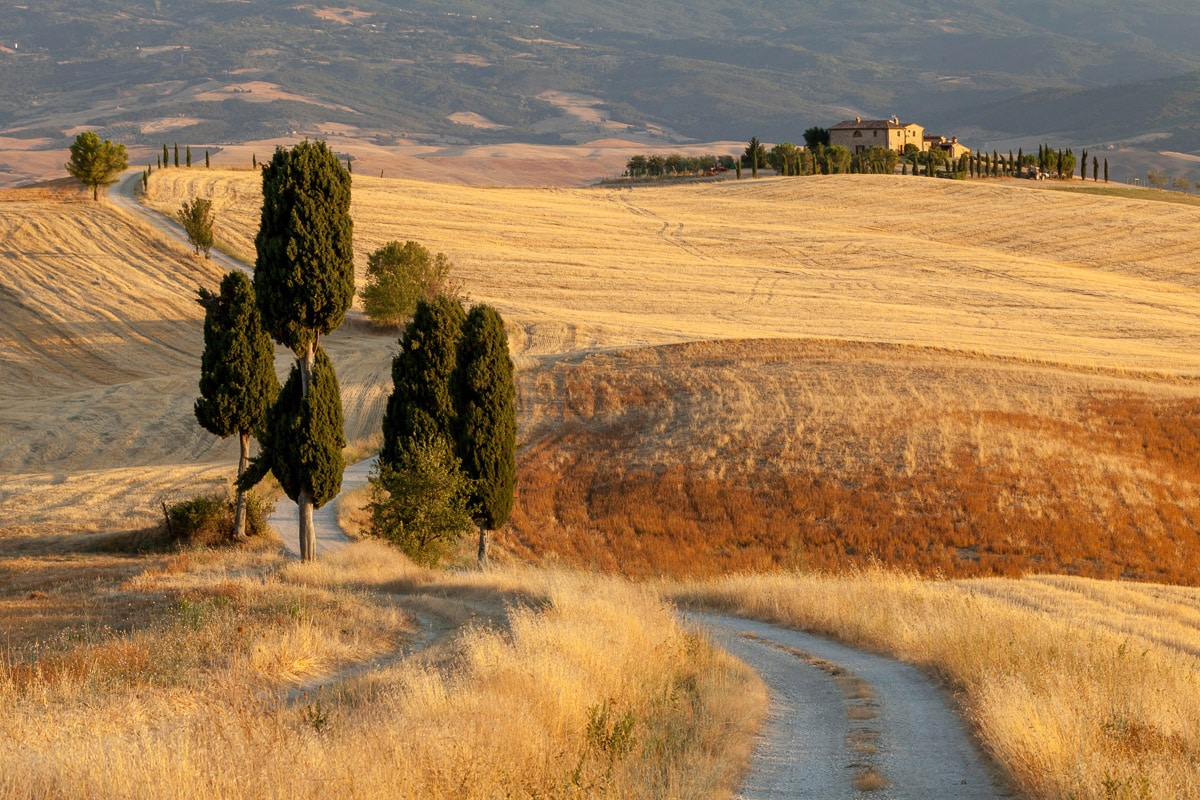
(453, 388)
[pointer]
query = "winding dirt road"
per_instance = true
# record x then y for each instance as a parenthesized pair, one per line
(843, 723)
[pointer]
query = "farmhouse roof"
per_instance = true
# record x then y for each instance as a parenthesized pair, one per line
(858, 123)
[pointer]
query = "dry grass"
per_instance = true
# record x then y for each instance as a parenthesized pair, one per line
(1079, 688)
(588, 688)
(102, 339)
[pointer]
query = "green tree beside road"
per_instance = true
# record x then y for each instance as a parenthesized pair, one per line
(96, 163)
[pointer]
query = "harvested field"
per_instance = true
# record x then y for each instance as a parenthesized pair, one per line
(978, 268)
(1028, 406)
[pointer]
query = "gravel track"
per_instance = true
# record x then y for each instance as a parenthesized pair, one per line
(839, 715)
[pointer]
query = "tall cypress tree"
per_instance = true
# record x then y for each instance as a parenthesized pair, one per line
(1106, 170)
(421, 408)
(302, 443)
(304, 280)
(189, 155)
(237, 372)
(166, 157)
(177, 154)
(485, 395)
(206, 162)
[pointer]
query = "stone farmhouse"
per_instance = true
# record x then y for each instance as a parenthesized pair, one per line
(858, 134)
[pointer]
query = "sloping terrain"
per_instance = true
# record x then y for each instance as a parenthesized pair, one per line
(102, 339)
(999, 269)
(819, 372)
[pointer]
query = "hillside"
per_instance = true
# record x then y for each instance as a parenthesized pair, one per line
(781, 372)
(487, 71)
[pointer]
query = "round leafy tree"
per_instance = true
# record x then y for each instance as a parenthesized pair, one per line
(96, 163)
(398, 275)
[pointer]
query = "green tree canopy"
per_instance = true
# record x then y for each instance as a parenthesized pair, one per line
(755, 155)
(304, 273)
(96, 163)
(487, 422)
(197, 220)
(421, 407)
(237, 371)
(398, 275)
(304, 280)
(422, 502)
(816, 136)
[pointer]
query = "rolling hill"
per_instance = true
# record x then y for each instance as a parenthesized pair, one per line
(736, 375)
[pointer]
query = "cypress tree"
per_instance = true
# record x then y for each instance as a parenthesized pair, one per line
(1083, 165)
(487, 420)
(159, 160)
(253, 161)
(1106, 170)
(304, 281)
(166, 157)
(303, 440)
(237, 372)
(177, 154)
(206, 162)
(189, 155)
(421, 408)
(1095, 169)
(752, 152)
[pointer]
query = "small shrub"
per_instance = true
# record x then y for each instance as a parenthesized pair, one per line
(422, 503)
(207, 519)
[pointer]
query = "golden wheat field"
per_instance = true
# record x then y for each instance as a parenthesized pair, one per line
(999, 269)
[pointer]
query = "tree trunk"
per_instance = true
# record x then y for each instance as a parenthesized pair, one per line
(239, 520)
(95, 193)
(308, 534)
(483, 548)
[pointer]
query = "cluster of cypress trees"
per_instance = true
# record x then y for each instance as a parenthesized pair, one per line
(452, 380)
(453, 391)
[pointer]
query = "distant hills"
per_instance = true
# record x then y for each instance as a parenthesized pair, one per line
(476, 71)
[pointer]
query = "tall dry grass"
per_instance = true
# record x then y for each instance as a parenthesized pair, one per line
(1079, 688)
(589, 688)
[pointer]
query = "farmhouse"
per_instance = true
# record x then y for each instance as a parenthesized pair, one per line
(859, 134)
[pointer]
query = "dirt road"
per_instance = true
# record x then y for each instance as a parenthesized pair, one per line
(843, 722)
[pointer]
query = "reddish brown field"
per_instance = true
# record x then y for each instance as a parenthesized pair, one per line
(704, 458)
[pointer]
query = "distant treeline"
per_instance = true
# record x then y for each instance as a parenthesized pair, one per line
(818, 157)
(656, 166)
